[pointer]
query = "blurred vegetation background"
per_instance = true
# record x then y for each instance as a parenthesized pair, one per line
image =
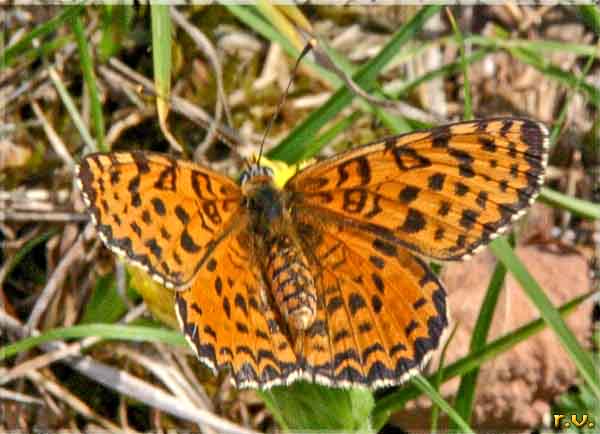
(79, 349)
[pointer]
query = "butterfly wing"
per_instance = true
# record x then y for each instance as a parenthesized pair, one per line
(442, 193)
(228, 319)
(381, 311)
(163, 215)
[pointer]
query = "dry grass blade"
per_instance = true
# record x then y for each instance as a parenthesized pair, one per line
(400, 107)
(9, 395)
(168, 374)
(180, 105)
(57, 144)
(207, 48)
(75, 253)
(194, 390)
(43, 216)
(129, 385)
(131, 120)
(63, 394)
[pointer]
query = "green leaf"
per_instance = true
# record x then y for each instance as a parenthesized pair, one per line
(591, 15)
(536, 46)
(105, 305)
(306, 406)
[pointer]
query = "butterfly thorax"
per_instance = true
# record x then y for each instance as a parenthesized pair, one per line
(283, 262)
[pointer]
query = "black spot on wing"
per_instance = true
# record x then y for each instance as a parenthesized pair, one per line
(159, 206)
(414, 222)
(356, 302)
(182, 215)
(408, 194)
(436, 181)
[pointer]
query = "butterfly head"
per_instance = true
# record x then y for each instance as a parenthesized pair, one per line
(261, 196)
(256, 174)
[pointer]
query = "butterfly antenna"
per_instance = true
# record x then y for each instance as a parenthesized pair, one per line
(309, 45)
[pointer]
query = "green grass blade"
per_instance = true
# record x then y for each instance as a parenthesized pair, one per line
(66, 99)
(395, 123)
(395, 401)
(115, 25)
(161, 49)
(28, 247)
(105, 331)
(87, 68)
(561, 118)
(291, 148)
(536, 46)
(465, 397)
(250, 17)
(161, 58)
(572, 81)
(15, 50)
(47, 48)
(580, 207)
(582, 360)
(424, 386)
(468, 106)
(591, 16)
(443, 71)
(435, 410)
(316, 145)
(280, 22)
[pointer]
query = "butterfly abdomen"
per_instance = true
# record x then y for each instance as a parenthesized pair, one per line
(292, 284)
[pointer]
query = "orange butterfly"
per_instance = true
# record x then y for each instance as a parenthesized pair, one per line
(318, 280)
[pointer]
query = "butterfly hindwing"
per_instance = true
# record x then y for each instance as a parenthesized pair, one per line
(442, 193)
(381, 311)
(162, 214)
(229, 321)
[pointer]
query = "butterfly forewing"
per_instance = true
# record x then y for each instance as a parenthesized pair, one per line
(162, 214)
(442, 193)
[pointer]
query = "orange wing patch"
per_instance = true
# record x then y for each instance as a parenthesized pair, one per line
(229, 319)
(163, 215)
(442, 193)
(381, 311)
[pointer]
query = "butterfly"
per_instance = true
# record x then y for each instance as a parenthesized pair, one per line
(324, 279)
